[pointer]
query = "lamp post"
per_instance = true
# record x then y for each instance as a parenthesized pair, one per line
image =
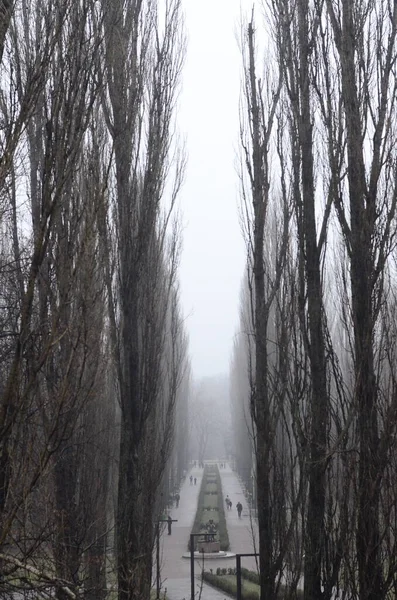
(158, 552)
(192, 536)
(238, 573)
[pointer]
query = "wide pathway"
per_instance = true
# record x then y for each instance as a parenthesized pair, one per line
(175, 570)
(243, 532)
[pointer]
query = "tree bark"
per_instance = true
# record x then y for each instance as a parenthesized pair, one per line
(263, 294)
(6, 10)
(362, 227)
(315, 526)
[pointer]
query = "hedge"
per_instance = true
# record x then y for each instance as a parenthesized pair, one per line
(222, 528)
(250, 575)
(200, 503)
(211, 483)
(229, 585)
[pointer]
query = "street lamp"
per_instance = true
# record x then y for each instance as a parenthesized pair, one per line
(169, 521)
(192, 536)
(238, 573)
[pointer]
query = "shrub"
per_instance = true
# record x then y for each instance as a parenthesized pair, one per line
(229, 584)
(222, 528)
(197, 524)
(226, 585)
(210, 506)
(250, 575)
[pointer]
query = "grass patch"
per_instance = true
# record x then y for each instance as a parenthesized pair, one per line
(210, 506)
(250, 575)
(153, 595)
(222, 528)
(212, 488)
(211, 501)
(228, 584)
(250, 589)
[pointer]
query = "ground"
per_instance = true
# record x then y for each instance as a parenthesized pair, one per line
(175, 570)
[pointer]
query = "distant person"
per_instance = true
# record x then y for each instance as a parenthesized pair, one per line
(191, 479)
(239, 507)
(195, 480)
(177, 498)
(169, 523)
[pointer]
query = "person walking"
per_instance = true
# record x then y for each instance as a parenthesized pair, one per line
(177, 498)
(169, 524)
(195, 480)
(191, 479)
(239, 507)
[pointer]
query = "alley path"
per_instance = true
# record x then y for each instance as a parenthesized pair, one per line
(243, 533)
(175, 570)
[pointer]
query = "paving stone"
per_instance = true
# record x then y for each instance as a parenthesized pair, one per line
(175, 570)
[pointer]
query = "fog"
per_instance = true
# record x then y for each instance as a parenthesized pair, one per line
(209, 419)
(213, 249)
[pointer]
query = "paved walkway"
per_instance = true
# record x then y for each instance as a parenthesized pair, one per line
(175, 570)
(243, 533)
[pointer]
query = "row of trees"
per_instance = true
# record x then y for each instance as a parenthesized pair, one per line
(317, 348)
(209, 419)
(93, 348)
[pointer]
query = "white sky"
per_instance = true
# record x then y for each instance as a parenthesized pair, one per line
(213, 256)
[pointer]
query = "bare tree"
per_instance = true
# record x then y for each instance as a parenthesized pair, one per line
(240, 393)
(296, 42)
(88, 169)
(6, 11)
(143, 55)
(54, 355)
(267, 209)
(358, 110)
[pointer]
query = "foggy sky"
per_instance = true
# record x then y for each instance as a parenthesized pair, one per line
(213, 256)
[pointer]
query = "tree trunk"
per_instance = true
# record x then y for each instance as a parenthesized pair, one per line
(66, 547)
(315, 533)
(134, 522)
(362, 216)
(261, 406)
